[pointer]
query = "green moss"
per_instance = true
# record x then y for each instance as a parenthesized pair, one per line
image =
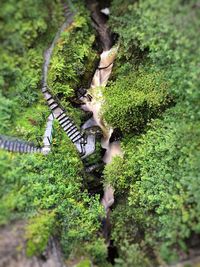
(26, 30)
(31, 123)
(73, 62)
(6, 114)
(132, 100)
(98, 251)
(84, 263)
(34, 185)
(48, 191)
(96, 156)
(158, 179)
(38, 231)
(132, 255)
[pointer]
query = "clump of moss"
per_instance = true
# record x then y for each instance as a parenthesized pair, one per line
(38, 232)
(73, 62)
